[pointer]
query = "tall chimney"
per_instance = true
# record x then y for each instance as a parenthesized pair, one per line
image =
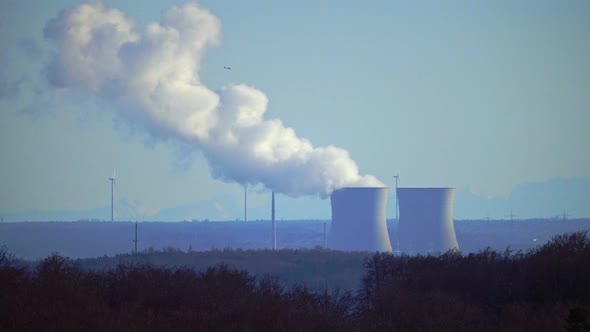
(274, 226)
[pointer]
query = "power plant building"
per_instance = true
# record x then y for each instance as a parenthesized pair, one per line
(358, 220)
(426, 220)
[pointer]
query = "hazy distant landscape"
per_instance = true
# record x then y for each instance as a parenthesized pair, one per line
(34, 240)
(548, 199)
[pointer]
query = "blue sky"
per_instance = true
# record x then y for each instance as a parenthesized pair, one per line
(478, 96)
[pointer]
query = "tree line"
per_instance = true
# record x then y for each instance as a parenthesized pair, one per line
(544, 289)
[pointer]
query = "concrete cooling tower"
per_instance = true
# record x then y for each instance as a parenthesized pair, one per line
(358, 220)
(426, 220)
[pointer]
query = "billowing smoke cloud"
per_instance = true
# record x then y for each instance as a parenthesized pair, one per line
(153, 77)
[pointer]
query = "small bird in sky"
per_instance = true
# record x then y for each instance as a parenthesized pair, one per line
(224, 67)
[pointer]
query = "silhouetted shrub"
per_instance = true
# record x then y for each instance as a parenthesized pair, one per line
(541, 290)
(477, 290)
(578, 320)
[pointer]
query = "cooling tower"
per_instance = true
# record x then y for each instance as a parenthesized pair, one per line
(358, 220)
(426, 220)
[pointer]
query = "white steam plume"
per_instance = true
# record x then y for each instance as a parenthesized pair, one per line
(155, 74)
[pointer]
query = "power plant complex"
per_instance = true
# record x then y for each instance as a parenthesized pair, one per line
(425, 220)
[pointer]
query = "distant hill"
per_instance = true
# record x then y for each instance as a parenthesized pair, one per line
(549, 199)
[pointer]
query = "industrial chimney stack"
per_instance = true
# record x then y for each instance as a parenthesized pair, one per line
(274, 226)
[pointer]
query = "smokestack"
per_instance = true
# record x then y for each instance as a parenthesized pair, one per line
(325, 235)
(426, 220)
(274, 226)
(358, 219)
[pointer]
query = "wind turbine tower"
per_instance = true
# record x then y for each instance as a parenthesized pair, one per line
(246, 202)
(112, 197)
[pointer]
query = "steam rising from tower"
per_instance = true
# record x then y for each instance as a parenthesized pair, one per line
(153, 79)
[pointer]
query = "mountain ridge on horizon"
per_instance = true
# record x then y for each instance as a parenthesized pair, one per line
(557, 197)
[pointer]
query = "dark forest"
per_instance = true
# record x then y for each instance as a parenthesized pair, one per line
(543, 289)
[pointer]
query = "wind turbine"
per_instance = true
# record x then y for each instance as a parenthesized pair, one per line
(112, 196)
